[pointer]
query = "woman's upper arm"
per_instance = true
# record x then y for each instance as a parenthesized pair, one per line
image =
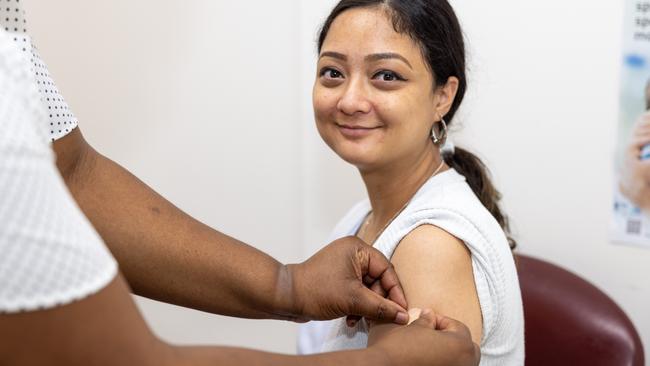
(435, 270)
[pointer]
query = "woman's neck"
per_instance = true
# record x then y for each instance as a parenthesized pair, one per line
(391, 187)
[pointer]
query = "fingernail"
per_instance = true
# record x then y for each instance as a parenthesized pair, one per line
(402, 318)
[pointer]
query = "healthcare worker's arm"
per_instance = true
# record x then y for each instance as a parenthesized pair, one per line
(106, 329)
(167, 255)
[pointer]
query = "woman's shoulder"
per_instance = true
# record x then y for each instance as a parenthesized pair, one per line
(449, 197)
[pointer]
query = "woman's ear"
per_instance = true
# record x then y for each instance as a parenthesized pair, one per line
(446, 95)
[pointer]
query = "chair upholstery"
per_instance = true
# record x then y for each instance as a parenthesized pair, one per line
(568, 321)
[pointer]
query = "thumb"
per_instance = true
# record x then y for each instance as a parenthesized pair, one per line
(374, 307)
(447, 324)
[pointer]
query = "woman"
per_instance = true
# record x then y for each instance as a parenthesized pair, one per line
(391, 76)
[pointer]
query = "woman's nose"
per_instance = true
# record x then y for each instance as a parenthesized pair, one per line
(354, 99)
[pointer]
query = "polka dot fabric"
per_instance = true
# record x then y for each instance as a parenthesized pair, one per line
(61, 120)
(50, 254)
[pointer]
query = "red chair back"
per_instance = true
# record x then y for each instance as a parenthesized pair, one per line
(569, 321)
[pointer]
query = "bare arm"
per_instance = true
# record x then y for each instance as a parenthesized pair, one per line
(167, 255)
(436, 272)
(106, 329)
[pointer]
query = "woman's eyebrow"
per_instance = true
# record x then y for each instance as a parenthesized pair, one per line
(335, 55)
(386, 56)
(372, 58)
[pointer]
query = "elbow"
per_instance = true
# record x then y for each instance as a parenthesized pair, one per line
(75, 158)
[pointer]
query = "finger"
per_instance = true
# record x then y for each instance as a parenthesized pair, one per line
(636, 146)
(641, 140)
(447, 324)
(645, 119)
(380, 268)
(376, 288)
(375, 262)
(641, 133)
(641, 129)
(375, 307)
(396, 294)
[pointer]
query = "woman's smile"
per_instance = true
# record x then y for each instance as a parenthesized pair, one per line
(356, 131)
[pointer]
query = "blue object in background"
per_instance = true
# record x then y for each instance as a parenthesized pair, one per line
(635, 61)
(645, 152)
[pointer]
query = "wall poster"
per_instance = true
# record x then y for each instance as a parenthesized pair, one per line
(631, 200)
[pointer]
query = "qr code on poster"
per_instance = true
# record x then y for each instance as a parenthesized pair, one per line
(633, 227)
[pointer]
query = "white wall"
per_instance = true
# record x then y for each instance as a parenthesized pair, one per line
(210, 103)
(198, 99)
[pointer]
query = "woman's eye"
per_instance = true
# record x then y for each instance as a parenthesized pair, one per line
(386, 75)
(331, 73)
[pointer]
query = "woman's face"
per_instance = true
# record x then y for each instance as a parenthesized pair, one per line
(374, 101)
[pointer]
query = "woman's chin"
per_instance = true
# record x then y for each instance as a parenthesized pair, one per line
(361, 161)
(361, 154)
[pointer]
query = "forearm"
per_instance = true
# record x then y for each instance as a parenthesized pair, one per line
(236, 356)
(169, 256)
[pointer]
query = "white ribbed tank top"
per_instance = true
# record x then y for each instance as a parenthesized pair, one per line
(445, 201)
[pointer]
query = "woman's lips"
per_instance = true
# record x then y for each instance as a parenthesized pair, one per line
(355, 131)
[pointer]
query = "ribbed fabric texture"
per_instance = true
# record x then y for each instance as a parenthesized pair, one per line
(445, 201)
(49, 253)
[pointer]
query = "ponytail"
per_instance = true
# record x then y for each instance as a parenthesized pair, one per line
(478, 178)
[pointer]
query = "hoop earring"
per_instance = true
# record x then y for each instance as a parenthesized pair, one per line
(439, 140)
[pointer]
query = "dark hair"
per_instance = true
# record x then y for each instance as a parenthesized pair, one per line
(433, 25)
